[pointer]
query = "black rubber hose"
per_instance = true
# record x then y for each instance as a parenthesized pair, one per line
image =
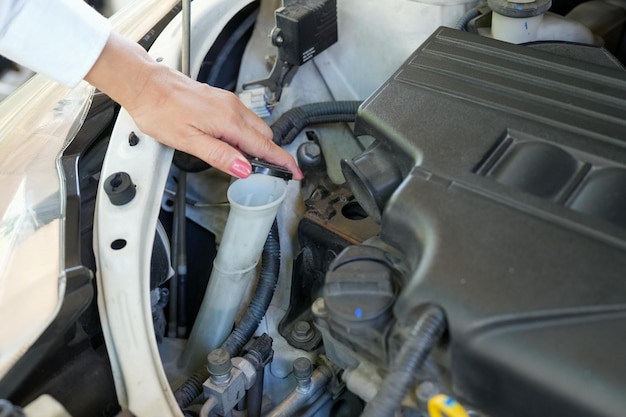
(270, 266)
(472, 13)
(402, 374)
(287, 127)
(191, 388)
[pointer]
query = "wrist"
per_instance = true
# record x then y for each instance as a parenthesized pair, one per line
(124, 71)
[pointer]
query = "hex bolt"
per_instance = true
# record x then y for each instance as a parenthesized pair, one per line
(133, 139)
(219, 366)
(309, 154)
(312, 150)
(120, 188)
(302, 371)
(424, 392)
(302, 332)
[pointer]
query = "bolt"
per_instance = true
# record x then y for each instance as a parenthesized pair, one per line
(219, 366)
(309, 154)
(302, 332)
(270, 60)
(277, 37)
(312, 150)
(425, 391)
(133, 139)
(302, 371)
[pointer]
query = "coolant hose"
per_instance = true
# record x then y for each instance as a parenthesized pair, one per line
(191, 388)
(402, 374)
(290, 123)
(472, 13)
(270, 266)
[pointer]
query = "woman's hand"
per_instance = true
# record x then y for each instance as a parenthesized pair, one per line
(207, 122)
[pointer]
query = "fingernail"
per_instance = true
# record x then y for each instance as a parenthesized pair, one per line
(240, 169)
(300, 172)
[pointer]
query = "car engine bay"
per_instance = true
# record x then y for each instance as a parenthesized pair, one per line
(455, 249)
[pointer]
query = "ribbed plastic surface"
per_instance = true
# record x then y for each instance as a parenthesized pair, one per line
(513, 217)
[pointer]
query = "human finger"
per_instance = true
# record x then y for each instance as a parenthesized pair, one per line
(216, 153)
(241, 128)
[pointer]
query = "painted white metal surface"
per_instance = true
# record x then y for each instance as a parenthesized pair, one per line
(123, 274)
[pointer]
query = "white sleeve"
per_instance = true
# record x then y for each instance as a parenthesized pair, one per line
(59, 38)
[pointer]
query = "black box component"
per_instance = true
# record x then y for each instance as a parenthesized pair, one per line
(304, 28)
(513, 217)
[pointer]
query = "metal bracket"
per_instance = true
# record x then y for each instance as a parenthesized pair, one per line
(281, 74)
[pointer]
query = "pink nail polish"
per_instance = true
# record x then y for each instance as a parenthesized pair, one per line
(240, 169)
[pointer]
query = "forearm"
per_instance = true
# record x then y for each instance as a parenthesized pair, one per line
(68, 41)
(178, 111)
(123, 71)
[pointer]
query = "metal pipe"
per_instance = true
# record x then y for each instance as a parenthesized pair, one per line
(178, 317)
(186, 47)
(181, 255)
(254, 396)
(208, 406)
(299, 397)
(172, 323)
(312, 410)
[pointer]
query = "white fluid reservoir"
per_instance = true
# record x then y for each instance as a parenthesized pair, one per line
(254, 202)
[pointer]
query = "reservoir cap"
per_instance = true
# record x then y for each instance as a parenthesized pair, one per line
(263, 167)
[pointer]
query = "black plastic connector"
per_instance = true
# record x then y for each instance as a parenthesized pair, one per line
(304, 28)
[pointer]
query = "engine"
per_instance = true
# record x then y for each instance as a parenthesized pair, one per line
(455, 249)
(490, 216)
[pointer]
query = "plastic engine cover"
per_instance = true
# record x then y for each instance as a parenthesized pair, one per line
(513, 218)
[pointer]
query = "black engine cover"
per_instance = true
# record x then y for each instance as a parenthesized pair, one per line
(513, 217)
